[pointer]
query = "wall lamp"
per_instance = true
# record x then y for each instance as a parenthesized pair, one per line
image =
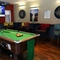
(34, 7)
(21, 6)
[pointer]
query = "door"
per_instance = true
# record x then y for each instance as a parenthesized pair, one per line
(7, 16)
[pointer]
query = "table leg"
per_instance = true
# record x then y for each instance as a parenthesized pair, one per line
(15, 57)
(30, 48)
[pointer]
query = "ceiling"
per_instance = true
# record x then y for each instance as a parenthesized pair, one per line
(16, 1)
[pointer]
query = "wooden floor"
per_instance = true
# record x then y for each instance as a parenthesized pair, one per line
(43, 51)
(46, 51)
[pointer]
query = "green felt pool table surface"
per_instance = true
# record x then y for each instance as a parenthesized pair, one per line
(11, 34)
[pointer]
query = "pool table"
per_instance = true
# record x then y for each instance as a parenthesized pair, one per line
(18, 44)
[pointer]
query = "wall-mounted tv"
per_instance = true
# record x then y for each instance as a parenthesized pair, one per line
(2, 11)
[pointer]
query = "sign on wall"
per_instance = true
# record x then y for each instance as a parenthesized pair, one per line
(47, 14)
(34, 15)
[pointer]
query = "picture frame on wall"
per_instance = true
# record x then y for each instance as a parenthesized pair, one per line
(34, 15)
(47, 14)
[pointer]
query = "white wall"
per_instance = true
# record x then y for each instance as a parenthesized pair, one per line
(44, 5)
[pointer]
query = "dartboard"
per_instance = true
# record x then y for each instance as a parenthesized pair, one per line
(57, 12)
(22, 14)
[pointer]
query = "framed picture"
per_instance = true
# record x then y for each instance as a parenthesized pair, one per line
(34, 15)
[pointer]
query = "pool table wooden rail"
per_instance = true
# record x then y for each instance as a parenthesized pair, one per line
(16, 48)
(10, 40)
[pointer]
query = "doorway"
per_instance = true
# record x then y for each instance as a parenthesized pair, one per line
(7, 16)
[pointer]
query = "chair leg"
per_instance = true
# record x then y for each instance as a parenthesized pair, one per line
(52, 39)
(58, 42)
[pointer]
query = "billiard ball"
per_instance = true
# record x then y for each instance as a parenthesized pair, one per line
(18, 35)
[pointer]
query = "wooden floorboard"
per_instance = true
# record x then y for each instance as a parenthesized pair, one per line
(47, 51)
(42, 51)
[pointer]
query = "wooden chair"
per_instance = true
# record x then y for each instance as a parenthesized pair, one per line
(43, 30)
(10, 25)
(56, 33)
(26, 25)
(21, 27)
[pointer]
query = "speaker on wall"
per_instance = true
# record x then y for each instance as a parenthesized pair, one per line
(4, 3)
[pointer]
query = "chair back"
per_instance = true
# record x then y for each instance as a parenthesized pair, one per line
(26, 24)
(11, 23)
(44, 26)
(22, 24)
(5, 24)
(1, 26)
(56, 28)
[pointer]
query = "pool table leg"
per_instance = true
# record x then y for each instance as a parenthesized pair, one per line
(15, 57)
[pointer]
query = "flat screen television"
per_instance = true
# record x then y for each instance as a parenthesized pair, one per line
(2, 11)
